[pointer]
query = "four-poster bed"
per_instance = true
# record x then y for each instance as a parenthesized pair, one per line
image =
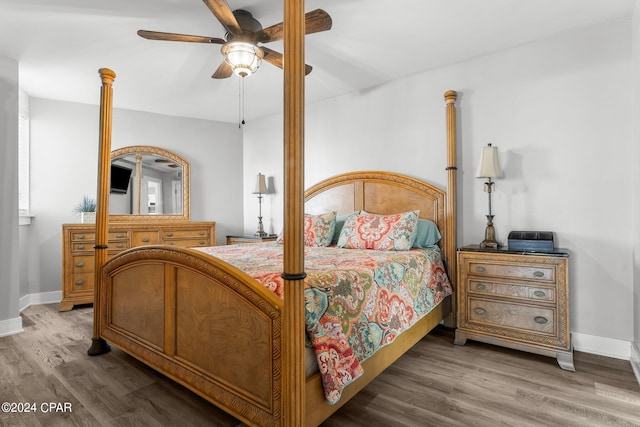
(152, 301)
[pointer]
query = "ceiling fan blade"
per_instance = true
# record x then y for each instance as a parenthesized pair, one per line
(272, 57)
(224, 71)
(222, 11)
(276, 58)
(156, 35)
(314, 22)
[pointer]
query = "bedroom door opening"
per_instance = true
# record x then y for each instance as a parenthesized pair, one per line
(152, 193)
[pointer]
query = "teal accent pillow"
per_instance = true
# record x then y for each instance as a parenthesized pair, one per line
(427, 234)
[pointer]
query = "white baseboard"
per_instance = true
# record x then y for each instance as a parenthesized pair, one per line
(10, 326)
(602, 346)
(41, 298)
(14, 326)
(635, 360)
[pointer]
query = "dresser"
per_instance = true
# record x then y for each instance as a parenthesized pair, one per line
(78, 240)
(515, 299)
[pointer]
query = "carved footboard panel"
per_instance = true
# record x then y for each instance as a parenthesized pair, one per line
(200, 321)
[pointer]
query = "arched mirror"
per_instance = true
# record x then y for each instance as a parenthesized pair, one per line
(148, 183)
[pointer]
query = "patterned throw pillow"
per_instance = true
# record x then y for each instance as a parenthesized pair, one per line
(319, 229)
(380, 232)
(340, 221)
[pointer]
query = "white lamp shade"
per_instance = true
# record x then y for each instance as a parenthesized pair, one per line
(489, 163)
(261, 185)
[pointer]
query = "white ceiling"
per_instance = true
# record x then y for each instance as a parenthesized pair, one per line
(61, 44)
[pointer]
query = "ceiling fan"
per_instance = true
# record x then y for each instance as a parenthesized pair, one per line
(242, 44)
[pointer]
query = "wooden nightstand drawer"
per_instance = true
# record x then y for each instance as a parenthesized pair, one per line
(83, 264)
(185, 234)
(187, 243)
(512, 290)
(529, 272)
(82, 282)
(142, 238)
(118, 235)
(512, 316)
(83, 236)
(118, 246)
(82, 246)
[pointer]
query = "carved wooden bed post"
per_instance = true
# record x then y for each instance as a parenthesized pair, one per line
(452, 170)
(99, 345)
(293, 376)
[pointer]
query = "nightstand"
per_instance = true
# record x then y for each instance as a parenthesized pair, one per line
(250, 238)
(515, 299)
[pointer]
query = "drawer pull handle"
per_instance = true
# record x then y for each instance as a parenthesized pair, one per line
(145, 239)
(540, 320)
(538, 273)
(202, 233)
(80, 236)
(80, 247)
(202, 242)
(119, 235)
(119, 245)
(79, 282)
(480, 269)
(79, 264)
(539, 294)
(169, 234)
(480, 311)
(480, 287)
(170, 243)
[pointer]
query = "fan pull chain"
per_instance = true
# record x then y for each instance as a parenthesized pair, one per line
(241, 102)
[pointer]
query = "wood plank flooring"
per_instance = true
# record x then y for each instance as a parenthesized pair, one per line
(434, 384)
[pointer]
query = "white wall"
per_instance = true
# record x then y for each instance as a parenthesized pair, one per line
(635, 359)
(559, 112)
(9, 268)
(64, 159)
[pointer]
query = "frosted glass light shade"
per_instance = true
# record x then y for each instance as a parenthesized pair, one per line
(244, 58)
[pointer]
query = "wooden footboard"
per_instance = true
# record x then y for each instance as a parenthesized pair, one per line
(217, 331)
(200, 321)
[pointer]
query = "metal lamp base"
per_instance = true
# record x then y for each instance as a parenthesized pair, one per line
(260, 232)
(490, 241)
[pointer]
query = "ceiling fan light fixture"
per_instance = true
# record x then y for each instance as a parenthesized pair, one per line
(244, 58)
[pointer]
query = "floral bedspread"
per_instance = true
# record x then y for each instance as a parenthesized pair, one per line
(357, 300)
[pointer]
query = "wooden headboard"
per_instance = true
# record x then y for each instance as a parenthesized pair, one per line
(378, 193)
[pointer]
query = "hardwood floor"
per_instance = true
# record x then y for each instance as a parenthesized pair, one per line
(434, 384)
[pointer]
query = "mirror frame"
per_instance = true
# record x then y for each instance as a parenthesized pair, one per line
(148, 149)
